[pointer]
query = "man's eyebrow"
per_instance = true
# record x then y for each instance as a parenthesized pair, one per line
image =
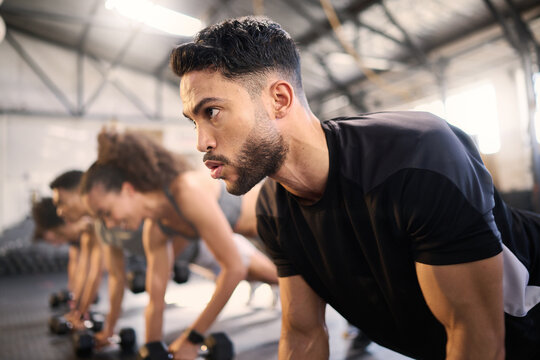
(197, 108)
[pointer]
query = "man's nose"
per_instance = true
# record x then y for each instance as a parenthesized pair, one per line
(205, 140)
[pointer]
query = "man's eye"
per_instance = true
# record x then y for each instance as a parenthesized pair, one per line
(212, 112)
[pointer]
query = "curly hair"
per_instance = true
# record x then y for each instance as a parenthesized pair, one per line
(241, 49)
(45, 217)
(132, 157)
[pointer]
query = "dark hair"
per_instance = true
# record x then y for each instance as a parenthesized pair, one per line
(45, 217)
(239, 48)
(69, 180)
(132, 157)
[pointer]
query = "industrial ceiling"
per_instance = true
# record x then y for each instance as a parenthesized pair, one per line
(368, 44)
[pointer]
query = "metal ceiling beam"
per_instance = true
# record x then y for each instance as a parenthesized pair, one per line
(521, 39)
(124, 91)
(355, 102)
(55, 90)
(427, 49)
(117, 60)
(80, 56)
(322, 27)
(413, 47)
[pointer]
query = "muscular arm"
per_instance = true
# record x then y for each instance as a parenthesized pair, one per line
(303, 330)
(72, 267)
(114, 258)
(158, 271)
(203, 211)
(95, 272)
(468, 300)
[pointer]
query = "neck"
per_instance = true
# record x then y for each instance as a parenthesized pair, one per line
(305, 170)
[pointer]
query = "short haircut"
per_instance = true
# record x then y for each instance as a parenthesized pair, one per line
(69, 180)
(239, 49)
(45, 217)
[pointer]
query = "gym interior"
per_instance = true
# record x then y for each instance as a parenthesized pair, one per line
(69, 68)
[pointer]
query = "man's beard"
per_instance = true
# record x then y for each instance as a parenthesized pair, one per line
(261, 155)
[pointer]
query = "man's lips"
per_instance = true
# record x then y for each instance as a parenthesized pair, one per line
(215, 168)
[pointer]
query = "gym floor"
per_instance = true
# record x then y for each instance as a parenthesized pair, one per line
(254, 329)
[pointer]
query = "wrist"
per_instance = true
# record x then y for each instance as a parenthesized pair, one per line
(194, 337)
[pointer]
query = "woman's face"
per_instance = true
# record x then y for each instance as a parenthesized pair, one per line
(120, 209)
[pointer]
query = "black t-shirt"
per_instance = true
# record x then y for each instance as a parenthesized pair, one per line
(403, 187)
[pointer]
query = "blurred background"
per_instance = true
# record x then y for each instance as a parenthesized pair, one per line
(69, 67)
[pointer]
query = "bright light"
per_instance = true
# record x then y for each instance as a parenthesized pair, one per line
(156, 16)
(475, 112)
(536, 84)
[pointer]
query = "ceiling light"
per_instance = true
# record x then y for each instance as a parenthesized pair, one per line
(156, 16)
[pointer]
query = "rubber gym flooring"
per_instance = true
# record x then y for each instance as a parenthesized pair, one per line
(254, 329)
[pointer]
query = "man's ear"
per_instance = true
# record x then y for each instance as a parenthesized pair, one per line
(282, 94)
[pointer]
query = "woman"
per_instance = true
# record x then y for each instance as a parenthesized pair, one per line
(136, 179)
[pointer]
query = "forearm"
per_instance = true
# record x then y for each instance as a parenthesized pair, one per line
(72, 268)
(298, 345)
(116, 295)
(226, 282)
(80, 280)
(91, 288)
(154, 320)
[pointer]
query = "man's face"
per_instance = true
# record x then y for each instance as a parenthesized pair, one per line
(68, 204)
(241, 142)
(115, 208)
(63, 234)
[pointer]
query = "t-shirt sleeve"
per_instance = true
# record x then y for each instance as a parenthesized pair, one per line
(444, 226)
(268, 229)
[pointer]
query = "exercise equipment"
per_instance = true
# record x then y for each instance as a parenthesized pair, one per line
(136, 280)
(181, 271)
(61, 297)
(84, 341)
(216, 346)
(59, 325)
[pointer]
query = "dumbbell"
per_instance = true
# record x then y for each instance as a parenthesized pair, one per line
(216, 346)
(84, 341)
(59, 325)
(136, 280)
(181, 271)
(59, 298)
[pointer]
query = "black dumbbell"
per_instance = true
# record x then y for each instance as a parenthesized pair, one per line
(216, 346)
(96, 321)
(181, 271)
(136, 281)
(59, 325)
(59, 298)
(84, 341)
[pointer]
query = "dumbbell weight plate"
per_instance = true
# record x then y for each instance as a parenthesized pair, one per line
(219, 346)
(128, 339)
(58, 325)
(83, 343)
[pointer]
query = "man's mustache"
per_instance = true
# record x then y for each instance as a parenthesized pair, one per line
(220, 158)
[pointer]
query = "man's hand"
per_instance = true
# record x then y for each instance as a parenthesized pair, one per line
(182, 349)
(102, 339)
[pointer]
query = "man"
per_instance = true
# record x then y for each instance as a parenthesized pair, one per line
(52, 229)
(90, 266)
(391, 218)
(106, 246)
